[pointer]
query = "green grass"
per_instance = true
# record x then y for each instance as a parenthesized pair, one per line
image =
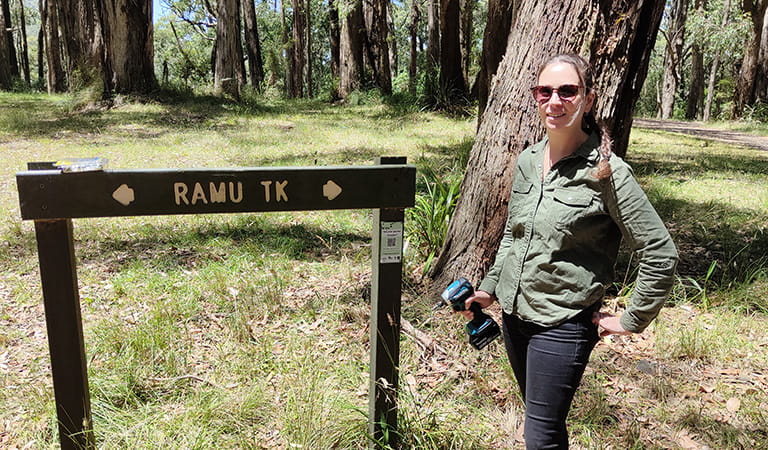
(251, 331)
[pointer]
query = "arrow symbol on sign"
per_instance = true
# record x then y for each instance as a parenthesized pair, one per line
(331, 190)
(124, 195)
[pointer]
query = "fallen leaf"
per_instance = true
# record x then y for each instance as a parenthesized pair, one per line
(685, 441)
(733, 404)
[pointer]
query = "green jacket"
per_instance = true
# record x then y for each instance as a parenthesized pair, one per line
(562, 238)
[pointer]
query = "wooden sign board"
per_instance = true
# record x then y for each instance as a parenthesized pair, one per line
(51, 194)
(52, 198)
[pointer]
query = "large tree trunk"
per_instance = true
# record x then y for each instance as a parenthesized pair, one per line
(695, 101)
(673, 55)
(253, 45)
(377, 48)
(229, 76)
(351, 49)
(451, 72)
(82, 25)
(56, 77)
(131, 45)
(745, 88)
(501, 16)
(5, 54)
(296, 51)
(621, 38)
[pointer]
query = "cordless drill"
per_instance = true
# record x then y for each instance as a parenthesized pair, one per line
(482, 329)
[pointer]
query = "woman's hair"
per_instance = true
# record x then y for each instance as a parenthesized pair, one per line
(590, 124)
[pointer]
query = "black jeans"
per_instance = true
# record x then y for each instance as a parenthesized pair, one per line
(548, 363)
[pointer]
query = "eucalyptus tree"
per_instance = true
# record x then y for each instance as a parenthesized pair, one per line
(746, 93)
(619, 38)
(674, 36)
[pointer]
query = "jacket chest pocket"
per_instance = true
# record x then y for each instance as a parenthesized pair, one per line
(569, 206)
(521, 189)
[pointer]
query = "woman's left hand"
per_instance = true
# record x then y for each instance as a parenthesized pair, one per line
(608, 324)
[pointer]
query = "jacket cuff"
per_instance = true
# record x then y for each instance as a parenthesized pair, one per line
(488, 286)
(632, 323)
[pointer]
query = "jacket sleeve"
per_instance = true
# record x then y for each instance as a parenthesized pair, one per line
(646, 234)
(492, 277)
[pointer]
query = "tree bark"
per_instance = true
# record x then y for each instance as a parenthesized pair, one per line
(351, 58)
(392, 43)
(761, 88)
(745, 89)
(466, 30)
(41, 42)
(695, 101)
(296, 51)
(673, 55)
(334, 37)
(24, 48)
(377, 48)
(131, 45)
(230, 73)
(82, 29)
(253, 45)
(413, 34)
(621, 38)
(431, 83)
(56, 76)
(5, 54)
(451, 71)
(11, 57)
(308, 53)
(501, 16)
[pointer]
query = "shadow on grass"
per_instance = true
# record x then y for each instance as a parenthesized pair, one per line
(167, 246)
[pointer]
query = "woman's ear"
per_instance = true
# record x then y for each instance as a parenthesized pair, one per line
(589, 101)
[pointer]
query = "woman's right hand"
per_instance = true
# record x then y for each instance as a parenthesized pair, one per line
(482, 298)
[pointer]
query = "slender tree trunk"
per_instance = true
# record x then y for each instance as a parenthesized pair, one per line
(501, 16)
(230, 73)
(41, 42)
(451, 71)
(351, 57)
(620, 37)
(5, 54)
(695, 102)
(432, 80)
(24, 48)
(675, 38)
(761, 88)
(334, 38)
(296, 52)
(12, 60)
(392, 43)
(253, 45)
(413, 33)
(745, 88)
(308, 56)
(56, 80)
(377, 48)
(131, 45)
(715, 66)
(466, 30)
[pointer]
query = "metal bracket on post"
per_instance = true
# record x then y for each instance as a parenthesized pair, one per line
(386, 289)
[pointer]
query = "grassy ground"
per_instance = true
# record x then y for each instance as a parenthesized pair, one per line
(251, 331)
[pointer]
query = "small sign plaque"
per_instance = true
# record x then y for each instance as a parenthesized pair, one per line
(391, 242)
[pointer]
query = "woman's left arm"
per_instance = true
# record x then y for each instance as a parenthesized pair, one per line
(647, 235)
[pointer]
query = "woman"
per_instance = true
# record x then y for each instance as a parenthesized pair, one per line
(571, 203)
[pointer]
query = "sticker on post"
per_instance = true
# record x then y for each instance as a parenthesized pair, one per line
(391, 243)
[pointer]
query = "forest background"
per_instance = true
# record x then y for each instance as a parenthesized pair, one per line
(178, 310)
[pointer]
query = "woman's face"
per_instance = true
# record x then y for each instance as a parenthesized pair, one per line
(563, 113)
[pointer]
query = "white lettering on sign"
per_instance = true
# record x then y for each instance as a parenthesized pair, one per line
(280, 194)
(222, 192)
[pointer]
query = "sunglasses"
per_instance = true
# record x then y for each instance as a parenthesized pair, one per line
(566, 92)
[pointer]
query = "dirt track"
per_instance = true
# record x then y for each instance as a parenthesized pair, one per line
(698, 129)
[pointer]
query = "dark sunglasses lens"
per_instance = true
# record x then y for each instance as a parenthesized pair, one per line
(568, 91)
(542, 93)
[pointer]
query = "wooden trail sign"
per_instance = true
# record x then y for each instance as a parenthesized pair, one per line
(52, 198)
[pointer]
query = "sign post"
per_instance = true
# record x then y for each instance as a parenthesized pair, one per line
(52, 198)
